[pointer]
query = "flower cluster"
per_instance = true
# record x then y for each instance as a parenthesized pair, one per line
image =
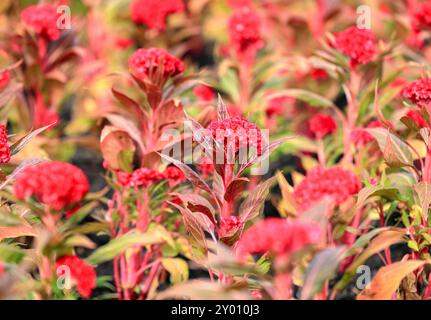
(358, 44)
(230, 225)
(321, 125)
(278, 236)
(244, 32)
(153, 13)
(421, 17)
(417, 118)
(148, 64)
(204, 93)
(145, 177)
(418, 92)
(82, 274)
(237, 133)
(42, 19)
(4, 146)
(55, 183)
(337, 183)
(4, 79)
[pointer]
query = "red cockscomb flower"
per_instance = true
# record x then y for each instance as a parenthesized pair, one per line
(4, 79)
(421, 17)
(149, 64)
(337, 183)
(82, 274)
(153, 13)
(417, 118)
(238, 132)
(4, 146)
(244, 32)
(277, 105)
(54, 183)
(230, 225)
(358, 44)
(278, 236)
(144, 177)
(42, 19)
(205, 166)
(174, 175)
(321, 125)
(204, 93)
(418, 92)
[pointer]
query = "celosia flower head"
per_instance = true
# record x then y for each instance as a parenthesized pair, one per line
(417, 118)
(153, 63)
(421, 17)
(153, 13)
(336, 183)
(4, 79)
(230, 225)
(204, 93)
(418, 92)
(174, 175)
(278, 236)
(235, 132)
(244, 32)
(321, 125)
(55, 183)
(42, 19)
(144, 177)
(82, 274)
(358, 44)
(4, 146)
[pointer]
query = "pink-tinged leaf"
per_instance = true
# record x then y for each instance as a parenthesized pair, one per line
(114, 146)
(253, 204)
(395, 151)
(222, 112)
(191, 175)
(131, 105)
(322, 268)
(197, 203)
(128, 126)
(266, 152)
(235, 188)
(16, 231)
(9, 92)
(388, 279)
(192, 225)
(423, 190)
(21, 143)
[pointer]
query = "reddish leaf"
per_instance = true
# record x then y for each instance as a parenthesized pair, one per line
(235, 188)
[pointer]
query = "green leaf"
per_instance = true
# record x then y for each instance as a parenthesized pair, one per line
(117, 246)
(177, 268)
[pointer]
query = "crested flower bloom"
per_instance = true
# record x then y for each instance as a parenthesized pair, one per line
(336, 183)
(277, 105)
(174, 175)
(417, 118)
(230, 225)
(4, 79)
(4, 146)
(55, 183)
(236, 132)
(153, 13)
(244, 32)
(418, 92)
(360, 137)
(358, 44)
(82, 274)
(42, 19)
(321, 125)
(421, 17)
(144, 177)
(42, 115)
(204, 93)
(278, 236)
(153, 63)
